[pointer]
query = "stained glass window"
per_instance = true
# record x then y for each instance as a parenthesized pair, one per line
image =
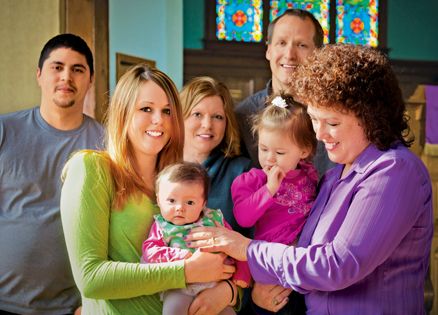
(357, 22)
(239, 20)
(319, 8)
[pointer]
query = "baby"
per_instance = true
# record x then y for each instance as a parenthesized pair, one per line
(181, 191)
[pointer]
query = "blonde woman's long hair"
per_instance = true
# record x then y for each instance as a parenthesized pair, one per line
(201, 87)
(119, 115)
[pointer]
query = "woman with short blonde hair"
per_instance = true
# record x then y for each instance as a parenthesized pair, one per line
(211, 137)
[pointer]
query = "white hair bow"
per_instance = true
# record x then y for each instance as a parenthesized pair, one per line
(279, 101)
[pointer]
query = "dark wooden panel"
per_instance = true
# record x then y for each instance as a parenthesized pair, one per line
(249, 73)
(411, 73)
(243, 75)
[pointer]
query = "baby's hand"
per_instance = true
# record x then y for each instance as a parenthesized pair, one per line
(241, 283)
(275, 176)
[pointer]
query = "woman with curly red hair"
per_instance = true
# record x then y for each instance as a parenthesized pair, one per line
(365, 247)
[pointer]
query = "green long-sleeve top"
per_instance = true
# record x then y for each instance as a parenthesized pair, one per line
(104, 244)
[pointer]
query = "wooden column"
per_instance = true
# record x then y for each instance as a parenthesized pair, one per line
(89, 19)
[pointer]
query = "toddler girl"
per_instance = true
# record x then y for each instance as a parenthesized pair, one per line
(277, 198)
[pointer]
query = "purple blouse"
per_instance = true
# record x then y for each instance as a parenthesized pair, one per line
(365, 247)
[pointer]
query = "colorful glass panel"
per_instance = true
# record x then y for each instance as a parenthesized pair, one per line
(239, 20)
(357, 22)
(319, 8)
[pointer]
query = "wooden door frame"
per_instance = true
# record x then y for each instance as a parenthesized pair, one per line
(89, 19)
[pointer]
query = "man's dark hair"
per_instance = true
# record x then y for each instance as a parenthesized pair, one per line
(71, 41)
(318, 39)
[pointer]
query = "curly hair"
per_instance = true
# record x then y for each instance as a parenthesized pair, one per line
(291, 119)
(357, 80)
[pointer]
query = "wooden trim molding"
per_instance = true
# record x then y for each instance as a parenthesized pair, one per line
(124, 62)
(89, 19)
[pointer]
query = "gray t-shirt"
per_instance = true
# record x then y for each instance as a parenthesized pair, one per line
(35, 274)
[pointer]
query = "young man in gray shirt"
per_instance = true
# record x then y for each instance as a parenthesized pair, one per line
(35, 274)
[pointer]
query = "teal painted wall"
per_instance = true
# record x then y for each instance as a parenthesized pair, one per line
(149, 29)
(194, 23)
(412, 29)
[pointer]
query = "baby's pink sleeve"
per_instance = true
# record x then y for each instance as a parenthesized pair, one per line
(155, 249)
(242, 272)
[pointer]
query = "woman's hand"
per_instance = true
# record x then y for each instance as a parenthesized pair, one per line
(207, 267)
(219, 239)
(213, 300)
(270, 297)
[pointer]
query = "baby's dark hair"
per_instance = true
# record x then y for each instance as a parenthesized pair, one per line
(283, 113)
(185, 172)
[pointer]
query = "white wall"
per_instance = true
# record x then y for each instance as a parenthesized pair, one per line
(25, 26)
(151, 29)
(148, 29)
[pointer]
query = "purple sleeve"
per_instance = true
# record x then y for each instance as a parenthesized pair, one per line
(382, 210)
(251, 199)
(155, 249)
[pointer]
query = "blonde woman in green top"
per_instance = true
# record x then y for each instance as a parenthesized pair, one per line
(107, 204)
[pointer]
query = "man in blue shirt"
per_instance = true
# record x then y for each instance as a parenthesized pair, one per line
(291, 38)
